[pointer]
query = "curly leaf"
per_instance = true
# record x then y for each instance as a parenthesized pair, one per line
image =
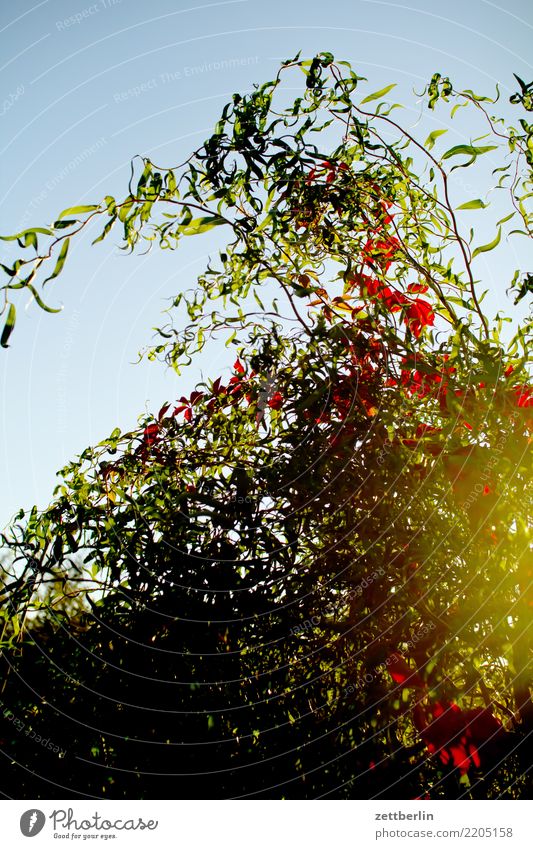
(432, 138)
(473, 204)
(490, 246)
(377, 94)
(8, 326)
(60, 261)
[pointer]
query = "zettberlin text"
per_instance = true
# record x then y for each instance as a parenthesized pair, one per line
(399, 815)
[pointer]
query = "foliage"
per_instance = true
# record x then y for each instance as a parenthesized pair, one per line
(320, 565)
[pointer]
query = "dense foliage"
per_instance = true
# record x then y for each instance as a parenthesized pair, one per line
(312, 576)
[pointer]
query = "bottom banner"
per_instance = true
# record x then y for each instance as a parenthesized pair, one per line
(267, 824)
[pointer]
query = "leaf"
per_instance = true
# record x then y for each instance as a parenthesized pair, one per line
(25, 233)
(432, 138)
(468, 150)
(37, 297)
(479, 98)
(60, 261)
(163, 411)
(342, 306)
(265, 222)
(521, 83)
(525, 288)
(457, 107)
(105, 231)
(77, 210)
(490, 246)
(111, 204)
(504, 220)
(473, 204)
(8, 326)
(125, 209)
(377, 94)
(202, 225)
(62, 225)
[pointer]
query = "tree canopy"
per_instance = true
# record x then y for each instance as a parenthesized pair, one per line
(312, 576)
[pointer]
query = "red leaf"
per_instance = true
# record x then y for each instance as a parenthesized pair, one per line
(457, 736)
(474, 755)
(401, 672)
(276, 402)
(417, 288)
(482, 725)
(524, 396)
(419, 314)
(163, 411)
(394, 300)
(150, 434)
(424, 429)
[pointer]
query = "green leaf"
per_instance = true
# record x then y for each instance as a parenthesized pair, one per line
(105, 231)
(481, 98)
(526, 287)
(490, 246)
(457, 107)
(202, 225)
(8, 326)
(468, 150)
(473, 204)
(27, 238)
(77, 210)
(37, 297)
(60, 261)
(111, 204)
(62, 225)
(432, 138)
(125, 209)
(504, 220)
(377, 94)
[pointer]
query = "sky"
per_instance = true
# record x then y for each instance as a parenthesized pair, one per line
(85, 87)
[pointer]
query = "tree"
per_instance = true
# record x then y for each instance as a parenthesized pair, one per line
(313, 577)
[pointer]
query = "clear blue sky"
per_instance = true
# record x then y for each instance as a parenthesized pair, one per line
(85, 86)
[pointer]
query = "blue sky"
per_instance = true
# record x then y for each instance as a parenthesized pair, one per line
(85, 86)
